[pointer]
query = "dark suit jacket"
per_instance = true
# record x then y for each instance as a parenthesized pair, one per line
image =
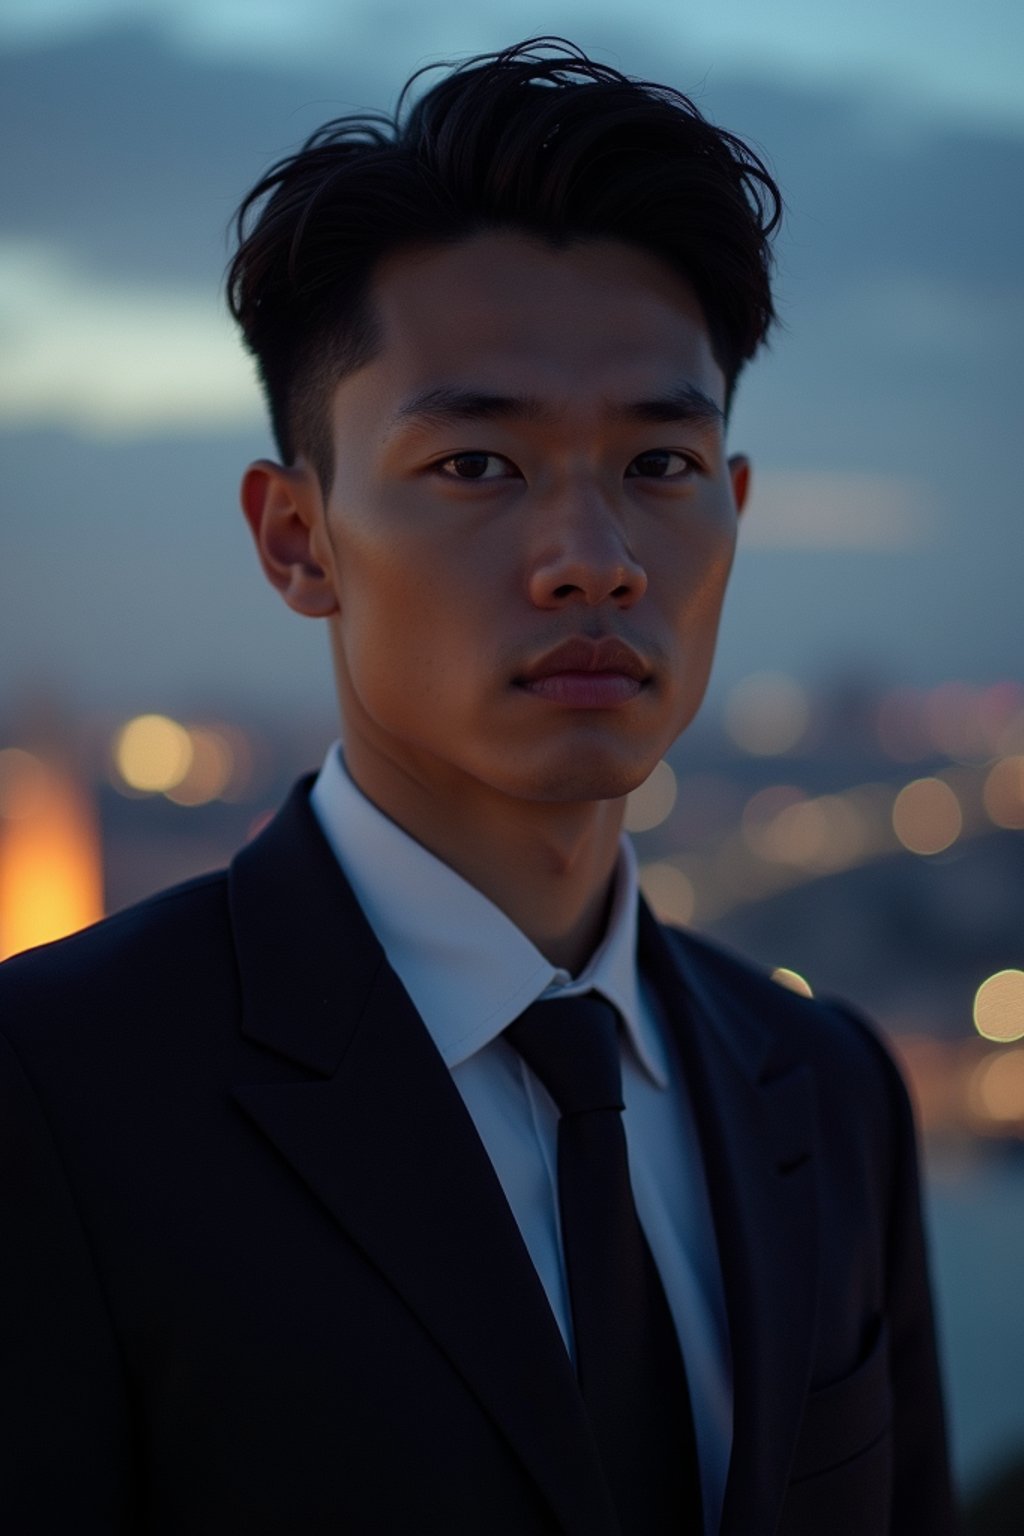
(259, 1276)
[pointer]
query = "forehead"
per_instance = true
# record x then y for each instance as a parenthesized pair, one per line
(595, 320)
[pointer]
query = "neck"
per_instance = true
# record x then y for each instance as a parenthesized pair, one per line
(549, 867)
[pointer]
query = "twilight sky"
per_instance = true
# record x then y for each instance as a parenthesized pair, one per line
(884, 536)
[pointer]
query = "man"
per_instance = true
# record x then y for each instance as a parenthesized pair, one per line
(306, 1233)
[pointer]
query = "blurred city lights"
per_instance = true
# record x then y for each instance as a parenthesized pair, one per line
(797, 835)
(999, 1006)
(1003, 794)
(767, 714)
(153, 754)
(722, 843)
(192, 765)
(51, 881)
(761, 812)
(782, 825)
(651, 803)
(1001, 717)
(935, 1072)
(926, 816)
(243, 751)
(995, 1091)
(847, 829)
(209, 771)
(669, 892)
(791, 980)
(782, 836)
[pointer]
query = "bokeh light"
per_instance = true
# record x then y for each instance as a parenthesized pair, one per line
(651, 802)
(767, 714)
(782, 825)
(1001, 717)
(669, 892)
(926, 816)
(152, 753)
(995, 1092)
(761, 813)
(242, 747)
(798, 835)
(791, 980)
(999, 1006)
(1003, 794)
(210, 768)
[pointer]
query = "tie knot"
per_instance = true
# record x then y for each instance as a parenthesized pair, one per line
(572, 1045)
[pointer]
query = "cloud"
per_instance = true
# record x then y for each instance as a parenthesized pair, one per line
(828, 510)
(114, 359)
(935, 319)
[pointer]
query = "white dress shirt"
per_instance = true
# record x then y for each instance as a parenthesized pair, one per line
(470, 971)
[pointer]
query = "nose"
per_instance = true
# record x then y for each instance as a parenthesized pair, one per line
(582, 556)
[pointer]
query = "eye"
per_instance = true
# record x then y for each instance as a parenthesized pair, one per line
(476, 466)
(661, 464)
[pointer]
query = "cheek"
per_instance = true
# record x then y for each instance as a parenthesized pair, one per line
(400, 642)
(712, 593)
(700, 565)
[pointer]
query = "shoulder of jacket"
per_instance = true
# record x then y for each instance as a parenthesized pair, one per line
(137, 945)
(824, 1028)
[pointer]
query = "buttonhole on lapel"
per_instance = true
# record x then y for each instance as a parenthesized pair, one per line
(789, 1165)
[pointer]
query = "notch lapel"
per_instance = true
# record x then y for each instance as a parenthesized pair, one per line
(383, 1139)
(756, 1119)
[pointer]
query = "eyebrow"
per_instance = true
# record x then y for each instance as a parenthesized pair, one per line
(684, 402)
(448, 403)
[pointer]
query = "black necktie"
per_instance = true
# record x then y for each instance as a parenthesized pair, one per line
(630, 1371)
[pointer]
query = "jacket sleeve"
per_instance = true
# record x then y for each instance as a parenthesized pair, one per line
(66, 1461)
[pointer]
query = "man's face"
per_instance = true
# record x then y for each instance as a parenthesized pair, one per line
(532, 521)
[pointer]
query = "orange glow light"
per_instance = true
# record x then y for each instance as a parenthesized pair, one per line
(51, 881)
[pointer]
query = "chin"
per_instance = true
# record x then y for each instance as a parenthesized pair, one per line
(584, 778)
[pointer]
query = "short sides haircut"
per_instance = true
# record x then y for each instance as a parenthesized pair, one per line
(538, 139)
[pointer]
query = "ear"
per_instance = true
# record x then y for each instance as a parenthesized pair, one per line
(285, 512)
(739, 474)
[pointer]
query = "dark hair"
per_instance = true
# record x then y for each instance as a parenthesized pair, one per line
(537, 138)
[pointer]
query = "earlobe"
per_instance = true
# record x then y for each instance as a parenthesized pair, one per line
(284, 509)
(739, 474)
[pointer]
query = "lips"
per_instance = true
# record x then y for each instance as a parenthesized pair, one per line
(581, 654)
(587, 674)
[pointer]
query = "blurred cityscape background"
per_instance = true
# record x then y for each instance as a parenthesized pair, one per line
(849, 807)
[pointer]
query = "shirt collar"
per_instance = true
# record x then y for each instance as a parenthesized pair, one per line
(467, 967)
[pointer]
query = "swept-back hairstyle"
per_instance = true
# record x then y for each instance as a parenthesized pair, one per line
(537, 138)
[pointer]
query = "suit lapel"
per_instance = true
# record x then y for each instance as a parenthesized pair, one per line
(383, 1139)
(755, 1113)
